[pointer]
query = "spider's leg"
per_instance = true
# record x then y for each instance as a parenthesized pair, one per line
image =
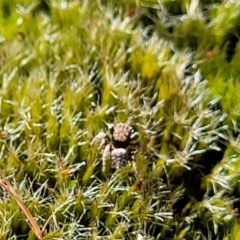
(110, 127)
(104, 142)
(135, 168)
(134, 135)
(138, 174)
(135, 145)
(105, 156)
(100, 136)
(132, 154)
(133, 150)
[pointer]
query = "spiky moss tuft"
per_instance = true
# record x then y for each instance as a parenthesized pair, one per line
(74, 66)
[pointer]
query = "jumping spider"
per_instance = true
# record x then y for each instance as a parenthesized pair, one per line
(120, 147)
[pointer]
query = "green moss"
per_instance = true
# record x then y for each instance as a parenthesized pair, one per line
(170, 70)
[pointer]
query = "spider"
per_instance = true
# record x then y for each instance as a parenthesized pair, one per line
(120, 147)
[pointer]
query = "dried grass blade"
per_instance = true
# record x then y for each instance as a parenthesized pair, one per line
(31, 221)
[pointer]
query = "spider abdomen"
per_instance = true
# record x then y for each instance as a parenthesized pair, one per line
(119, 158)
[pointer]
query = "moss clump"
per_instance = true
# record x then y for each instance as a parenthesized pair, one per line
(170, 70)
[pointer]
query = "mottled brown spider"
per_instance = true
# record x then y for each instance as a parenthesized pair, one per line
(120, 146)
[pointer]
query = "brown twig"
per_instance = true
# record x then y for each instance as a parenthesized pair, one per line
(31, 221)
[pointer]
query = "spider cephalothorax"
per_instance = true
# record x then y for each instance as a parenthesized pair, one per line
(119, 146)
(121, 135)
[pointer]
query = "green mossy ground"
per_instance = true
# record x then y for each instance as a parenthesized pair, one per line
(168, 68)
